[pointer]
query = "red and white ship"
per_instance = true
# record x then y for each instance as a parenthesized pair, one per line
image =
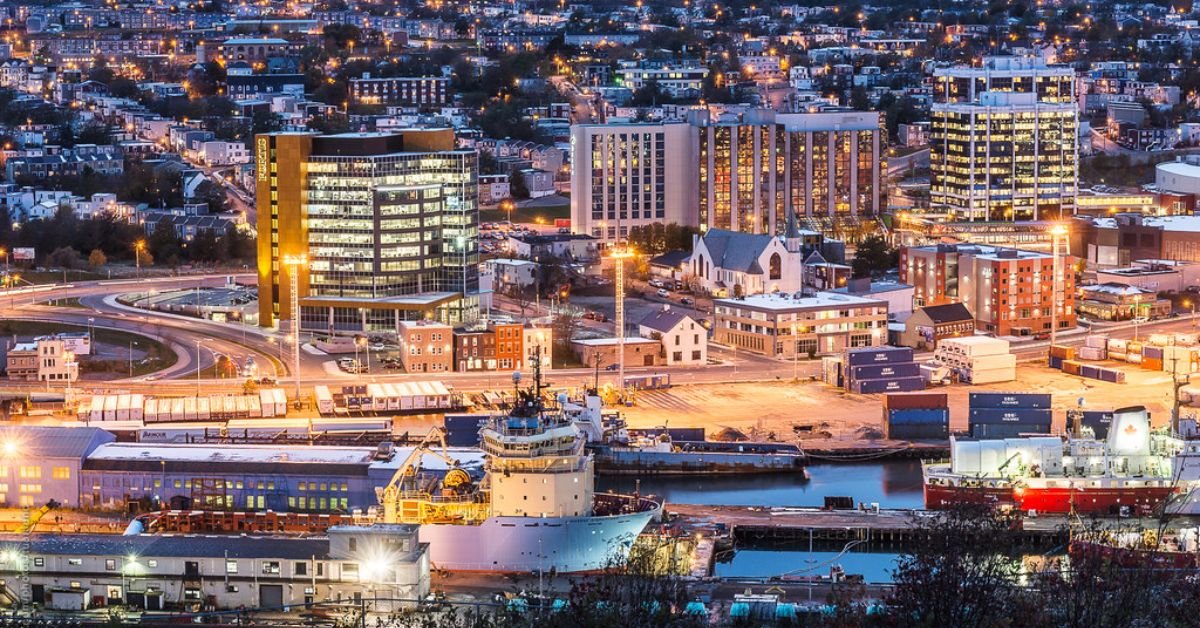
(1132, 471)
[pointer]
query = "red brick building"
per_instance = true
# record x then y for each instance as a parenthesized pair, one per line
(1008, 291)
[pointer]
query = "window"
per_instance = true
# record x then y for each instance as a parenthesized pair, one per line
(61, 473)
(152, 563)
(353, 544)
(31, 472)
(110, 564)
(300, 569)
(231, 566)
(39, 561)
(349, 571)
(270, 567)
(776, 264)
(75, 562)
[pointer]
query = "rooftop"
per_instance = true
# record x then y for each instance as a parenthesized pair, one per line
(782, 301)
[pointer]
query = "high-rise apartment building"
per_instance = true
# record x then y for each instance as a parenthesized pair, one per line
(1009, 291)
(387, 224)
(1004, 140)
(757, 166)
(626, 175)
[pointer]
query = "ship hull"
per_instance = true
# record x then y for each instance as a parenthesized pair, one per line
(1084, 500)
(621, 461)
(529, 544)
(1134, 558)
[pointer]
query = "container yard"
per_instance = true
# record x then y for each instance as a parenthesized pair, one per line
(874, 370)
(267, 403)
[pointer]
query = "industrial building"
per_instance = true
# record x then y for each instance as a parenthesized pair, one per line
(383, 565)
(377, 227)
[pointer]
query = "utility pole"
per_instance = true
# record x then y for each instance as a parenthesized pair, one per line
(619, 257)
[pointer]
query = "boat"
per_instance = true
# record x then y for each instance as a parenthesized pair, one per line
(534, 510)
(1178, 549)
(620, 451)
(1129, 472)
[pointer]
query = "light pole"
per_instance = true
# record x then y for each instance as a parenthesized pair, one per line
(1056, 232)
(138, 247)
(795, 352)
(197, 368)
(1137, 313)
(294, 263)
(619, 256)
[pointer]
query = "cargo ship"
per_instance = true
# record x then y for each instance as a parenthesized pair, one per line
(1129, 472)
(620, 451)
(535, 508)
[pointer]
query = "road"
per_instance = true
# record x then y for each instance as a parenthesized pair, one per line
(583, 110)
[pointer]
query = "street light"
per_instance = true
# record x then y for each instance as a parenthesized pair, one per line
(138, 247)
(795, 352)
(1137, 307)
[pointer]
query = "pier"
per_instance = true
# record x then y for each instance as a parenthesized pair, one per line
(758, 524)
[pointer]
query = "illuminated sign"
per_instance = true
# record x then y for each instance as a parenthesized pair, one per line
(262, 153)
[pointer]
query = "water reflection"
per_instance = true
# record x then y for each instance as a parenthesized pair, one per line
(893, 484)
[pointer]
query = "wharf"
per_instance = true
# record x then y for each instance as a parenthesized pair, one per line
(758, 524)
(835, 452)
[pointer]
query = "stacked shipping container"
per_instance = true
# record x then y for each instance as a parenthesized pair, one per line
(1007, 415)
(881, 370)
(915, 416)
(978, 359)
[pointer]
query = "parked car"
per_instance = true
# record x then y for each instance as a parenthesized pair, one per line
(687, 301)
(662, 292)
(656, 283)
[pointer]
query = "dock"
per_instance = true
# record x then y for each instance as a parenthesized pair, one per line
(752, 524)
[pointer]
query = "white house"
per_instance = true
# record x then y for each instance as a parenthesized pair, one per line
(684, 341)
(729, 263)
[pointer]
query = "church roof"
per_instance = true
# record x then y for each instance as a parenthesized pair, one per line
(732, 250)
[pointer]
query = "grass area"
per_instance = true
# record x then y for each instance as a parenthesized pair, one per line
(527, 214)
(156, 355)
(56, 276)
(72, 302)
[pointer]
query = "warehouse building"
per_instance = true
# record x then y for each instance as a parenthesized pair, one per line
(382, 565)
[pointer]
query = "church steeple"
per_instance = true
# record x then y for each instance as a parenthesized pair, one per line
(792, 240)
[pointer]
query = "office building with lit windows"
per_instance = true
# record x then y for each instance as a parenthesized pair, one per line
(385, 225)
(628, 175)
(755, 167)
(1004, 141)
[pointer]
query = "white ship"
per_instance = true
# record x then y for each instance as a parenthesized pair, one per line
(534, 510)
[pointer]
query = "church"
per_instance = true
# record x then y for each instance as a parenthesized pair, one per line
(729, 263)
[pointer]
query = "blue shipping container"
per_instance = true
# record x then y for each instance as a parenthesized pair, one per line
(1099, 421)
(878, 355)
(1088, 370)
(986, 430)
(918, 432)
(918, 416)
(1002, 415)
(885, 371)
(1009, 400)
(1056, 363)
(899, 384)
(1152, 352)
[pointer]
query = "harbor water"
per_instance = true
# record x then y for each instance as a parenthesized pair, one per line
(891, 484)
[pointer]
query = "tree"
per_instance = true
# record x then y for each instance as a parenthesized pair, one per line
(97, 259)
(516, 185)
(64, 257)
(163, 241)
(874, 256)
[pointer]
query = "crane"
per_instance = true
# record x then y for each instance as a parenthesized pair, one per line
(390, 495)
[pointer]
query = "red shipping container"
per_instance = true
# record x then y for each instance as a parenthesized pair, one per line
(1071, 367)
(1152, 364)
(915, 401)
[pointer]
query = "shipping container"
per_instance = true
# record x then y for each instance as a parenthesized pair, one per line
(915, 400)
(989, 376)
(899, 384)
(280, 402)
(1118, 345)
(1133, 358)
(122, 413)
(1098, 420)
(884, 371)
(917, 415)
(1056, 363)
(137, 404)
(1062, 351)
(266, 403)
(255, 404)
(150, 411)
(1150, 351)
(1160, 340)
(918, 431)
(1009, 400)
(324, 400)
(989, 362)
(1134, 347)
(110, 407)
(1112, 375)
(1009, 430)
(1186, 340)
(1118, 356)
(1096, 342)
(1091, 353)
(1071, 367)
(878, 355)
(1152, 364)
(1089, 370)
(1000, 415)
(972, 346)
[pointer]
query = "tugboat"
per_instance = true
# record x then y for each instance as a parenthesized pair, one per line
(1131, 472)
(534, 510)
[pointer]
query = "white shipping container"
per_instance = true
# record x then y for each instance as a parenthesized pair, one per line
(1120, 356)
(324, 399)
(1134, 358)
(177, 413)
(1096, 342)
(150, 411)
(96, 411)
(378, 397)
(137, 406)
(1161, 340)
(992, 376)
(1117, 345)
(281, 401)
(123, 403)
(988, 362)
(255, 404)
(393, 396)
(189, 409)
(203, 408)
(1187, 340)
(266, 403)
(1091, 353)
(242, 406)
(974, 346)
(110, 408)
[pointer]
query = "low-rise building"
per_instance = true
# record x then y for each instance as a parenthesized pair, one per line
(1120, 302)
(417, 91)
(684, 341)
(426, 346)
(46, 359)
(929, 325)
(563, 246)
(782, 325)
(899, 296)
(379, 565)
(602, 352)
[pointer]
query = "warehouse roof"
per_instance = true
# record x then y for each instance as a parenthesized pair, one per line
(167, 546)
(54, 442)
